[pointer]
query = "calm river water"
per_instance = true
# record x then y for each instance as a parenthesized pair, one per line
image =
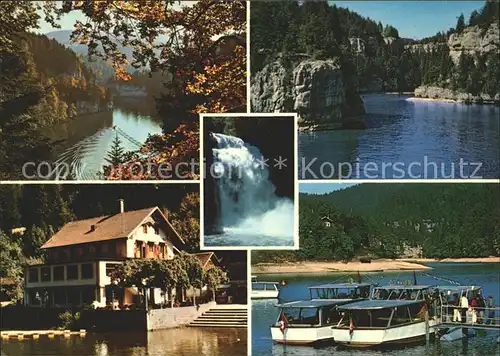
(181, 342)
(264, 313)
(86, 140)
(407, 139)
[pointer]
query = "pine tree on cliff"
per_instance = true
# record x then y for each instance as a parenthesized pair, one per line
(492, 76)
(474, 18)
(460, 23)
(116, 155)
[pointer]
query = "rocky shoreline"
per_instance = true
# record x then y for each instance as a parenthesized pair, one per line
(315, 89)
(352, 123)
(434, 93)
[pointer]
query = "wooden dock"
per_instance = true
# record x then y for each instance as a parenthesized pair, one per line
(35, 334)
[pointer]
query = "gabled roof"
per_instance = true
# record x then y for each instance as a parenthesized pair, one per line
(326, 218)
(205, 257)
(404, 287)
(340, 285)
(313, 303)
(109, 227)
(378, 304)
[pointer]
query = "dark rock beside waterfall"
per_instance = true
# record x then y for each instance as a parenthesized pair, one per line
(211, 204)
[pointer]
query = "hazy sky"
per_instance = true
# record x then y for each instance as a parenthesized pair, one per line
(67, 21)
(414, 19)
(321, 188)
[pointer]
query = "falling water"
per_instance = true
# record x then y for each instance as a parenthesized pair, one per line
(251, 213)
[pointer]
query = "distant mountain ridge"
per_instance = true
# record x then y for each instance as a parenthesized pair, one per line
(100, 67)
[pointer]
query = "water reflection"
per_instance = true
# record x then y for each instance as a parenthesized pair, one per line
(181, 341)
(84, 142)
(405, 131)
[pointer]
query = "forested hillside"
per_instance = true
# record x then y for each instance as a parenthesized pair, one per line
(71, 88)
(373, 53)
(388, 220)
(41, 83)
(43, 209)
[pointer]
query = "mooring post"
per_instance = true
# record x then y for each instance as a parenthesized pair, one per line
(427, 331)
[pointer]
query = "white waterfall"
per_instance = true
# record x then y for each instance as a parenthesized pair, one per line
(249, 205)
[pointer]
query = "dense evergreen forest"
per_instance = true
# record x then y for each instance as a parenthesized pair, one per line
(373, 54)
(41, 83)
(390, 220)
(44, 209)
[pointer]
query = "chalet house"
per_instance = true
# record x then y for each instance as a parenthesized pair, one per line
(327, 221)
(83, 254)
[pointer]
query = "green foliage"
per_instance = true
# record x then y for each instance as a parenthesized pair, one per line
(213, 278)
(69, 320)
(116, 154)
(186, 221)
(41, 83)
(390, 31)
(184, 271)
(444, 220)
(460, 24)
(11, 267)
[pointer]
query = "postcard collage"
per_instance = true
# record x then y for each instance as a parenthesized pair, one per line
(249, 178)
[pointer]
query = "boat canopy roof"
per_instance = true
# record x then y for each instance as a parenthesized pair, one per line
(340, 285)
(264, 282)
(313, 303)
(377, 304)
(404, 287)
(458, 288)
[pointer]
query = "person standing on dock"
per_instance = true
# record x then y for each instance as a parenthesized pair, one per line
(456, 310)
(464, 305)
(490, 311)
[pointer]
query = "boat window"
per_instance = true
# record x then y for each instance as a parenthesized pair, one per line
(309, 316)
(258, 286)
(330, 315)
(302, 316)
(400, 316)
(364, 292)
(292, 315)
(417, 312)
(339, 293)
(372, 318)
(380, 294)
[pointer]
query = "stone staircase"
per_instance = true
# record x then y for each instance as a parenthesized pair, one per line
(223, 316)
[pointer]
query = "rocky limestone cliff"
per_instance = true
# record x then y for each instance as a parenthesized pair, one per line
(433, 92)
(474, 40)
(313, 88)
(425, 47)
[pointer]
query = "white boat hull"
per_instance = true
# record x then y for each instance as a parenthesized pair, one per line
(264, 294)
(301, 336)
(374, 337)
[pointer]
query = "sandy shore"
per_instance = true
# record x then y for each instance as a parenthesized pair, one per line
(490, 259)
(404, 264)
(322, 267)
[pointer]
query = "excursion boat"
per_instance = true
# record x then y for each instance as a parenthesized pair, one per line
(372, 323)
(264, 290)
(402, 292)
(308, 322)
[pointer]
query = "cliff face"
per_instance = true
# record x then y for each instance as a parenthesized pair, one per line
(315, 89)
(474, 40)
